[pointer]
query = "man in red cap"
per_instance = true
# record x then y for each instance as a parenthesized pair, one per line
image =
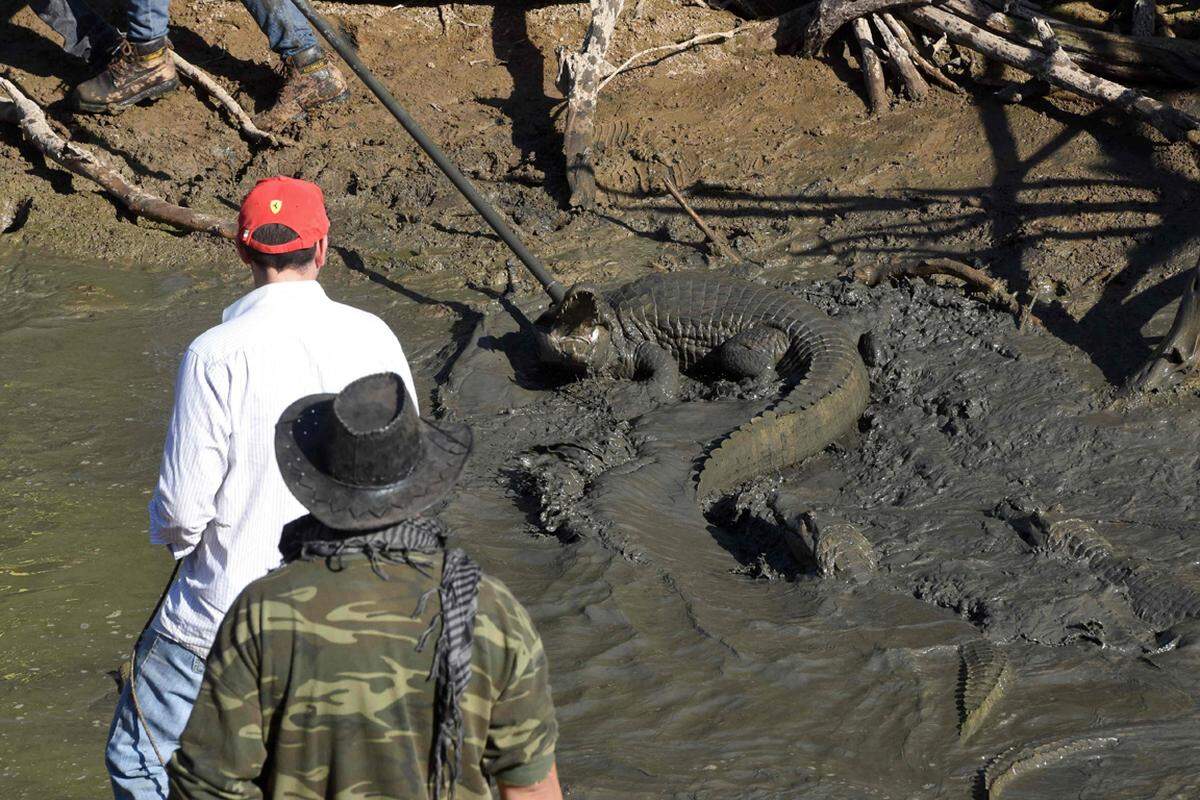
(221, 503)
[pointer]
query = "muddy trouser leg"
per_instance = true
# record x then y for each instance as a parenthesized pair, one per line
(147, 19)
(287, 30)
(84, 33)
(167, 682)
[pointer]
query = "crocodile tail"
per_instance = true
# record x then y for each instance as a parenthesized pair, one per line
(818, 410)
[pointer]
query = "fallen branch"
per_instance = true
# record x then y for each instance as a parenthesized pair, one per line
(1131, 58)
(831, 15)
(34, 126)
(778, 35)
(1172, 123)
(871, 68)
(201, 80)
(671, 49)
(718, 241)
(898, 58)
(929, 68)
(993, 290)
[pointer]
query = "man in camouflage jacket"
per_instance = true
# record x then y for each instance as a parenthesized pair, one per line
(320, 683)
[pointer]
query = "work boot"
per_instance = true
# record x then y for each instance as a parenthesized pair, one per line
(310, 80)
(138, 71)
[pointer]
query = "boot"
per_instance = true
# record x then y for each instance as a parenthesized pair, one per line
(138, 71)
(310, 80)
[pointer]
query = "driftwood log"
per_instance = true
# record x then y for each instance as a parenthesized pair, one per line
(36, 129)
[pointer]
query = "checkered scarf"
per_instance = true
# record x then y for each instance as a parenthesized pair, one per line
(458, 597)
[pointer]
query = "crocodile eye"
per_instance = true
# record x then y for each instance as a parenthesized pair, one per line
(595, 334)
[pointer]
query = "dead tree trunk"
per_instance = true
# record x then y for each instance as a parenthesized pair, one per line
(34, 126)
(580, 75)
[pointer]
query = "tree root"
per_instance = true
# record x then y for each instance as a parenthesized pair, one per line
(32, 122)
(203, 82)
(990, 288)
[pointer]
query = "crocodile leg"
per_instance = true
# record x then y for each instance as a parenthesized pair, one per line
(656, 381)
(658, 368)
(752, 353)
(1180, 349)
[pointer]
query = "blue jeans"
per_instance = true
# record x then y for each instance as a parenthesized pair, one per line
(85, 34)
(167, 681)
(286, 28)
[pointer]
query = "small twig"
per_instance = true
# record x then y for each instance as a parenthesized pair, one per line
(992, 289)
(34, 126)
(671, 49)
(718, 241)
(201, 80)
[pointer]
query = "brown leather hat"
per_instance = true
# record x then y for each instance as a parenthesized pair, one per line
(363, 458)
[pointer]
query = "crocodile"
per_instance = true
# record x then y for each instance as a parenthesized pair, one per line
(655, 328)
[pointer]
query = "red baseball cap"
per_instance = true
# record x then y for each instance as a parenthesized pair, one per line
(283, 201)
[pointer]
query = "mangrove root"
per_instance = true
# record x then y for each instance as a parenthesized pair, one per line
(993, 291)
(203, 82)
(662, 51)
(32, 122)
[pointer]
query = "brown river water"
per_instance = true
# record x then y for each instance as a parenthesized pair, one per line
(692, 657)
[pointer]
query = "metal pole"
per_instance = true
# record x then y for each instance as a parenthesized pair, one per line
(548, 281)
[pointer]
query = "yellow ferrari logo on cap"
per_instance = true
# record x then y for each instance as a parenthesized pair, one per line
(276, 205)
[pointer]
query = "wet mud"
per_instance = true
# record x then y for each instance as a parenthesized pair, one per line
(951, 633)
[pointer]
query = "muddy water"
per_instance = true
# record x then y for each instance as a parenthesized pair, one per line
(691, 657)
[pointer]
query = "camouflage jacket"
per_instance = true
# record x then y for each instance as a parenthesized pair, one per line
(314, 674)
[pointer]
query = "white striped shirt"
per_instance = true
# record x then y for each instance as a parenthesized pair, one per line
(221, 502)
